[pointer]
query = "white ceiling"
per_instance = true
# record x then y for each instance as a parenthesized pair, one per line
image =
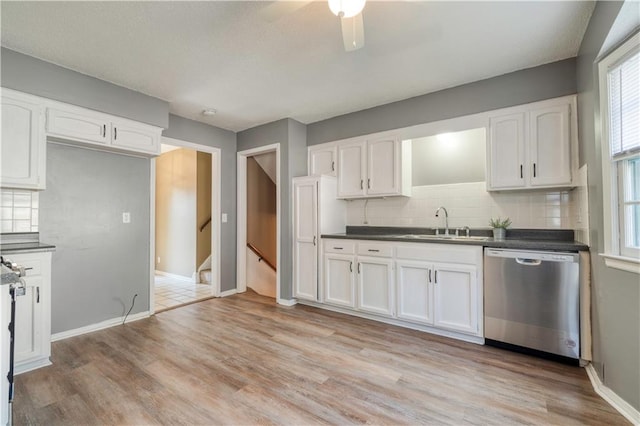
(254, 68)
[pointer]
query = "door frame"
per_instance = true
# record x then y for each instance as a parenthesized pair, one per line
(241, 255)
(216, 187)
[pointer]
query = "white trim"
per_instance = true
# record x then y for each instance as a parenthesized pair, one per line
(174, 276)
(228, 293)
(286, 302)
(623, 263)
(622, 406)
(152, 236)
(98, 326)
(241, 181)
(216, 189)
(30, 366)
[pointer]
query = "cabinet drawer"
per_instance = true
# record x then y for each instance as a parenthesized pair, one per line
(339, 246)
(28, 260)
(375, 249)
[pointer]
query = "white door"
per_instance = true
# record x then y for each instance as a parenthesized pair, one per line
(351, 170)
(135, 137)
(23, 145)
(339, 286)
(322, 161)
(305, 254)
(415, 292)
(550, 146)
(70, 125)
(375, 285)
(383, 167)
(507, 154)
(29, 322)
(455, 290)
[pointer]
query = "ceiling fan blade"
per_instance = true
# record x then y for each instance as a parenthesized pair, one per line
(275, 10)
(353, 32)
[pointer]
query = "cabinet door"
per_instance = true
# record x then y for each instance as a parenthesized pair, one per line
(455, 290)
(322, 161)
(22, 151)
(135, 138)
(351, 170)
(339, 286)
(550, 146)
(375, 285)
(305, 225)
(75, 126)
(507, 155)
(383, 167)
(29, 322)
(415, 292)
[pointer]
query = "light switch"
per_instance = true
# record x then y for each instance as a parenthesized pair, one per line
(126, 217)
(224, 218)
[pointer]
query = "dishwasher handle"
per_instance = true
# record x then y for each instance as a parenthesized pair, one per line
(528, 262)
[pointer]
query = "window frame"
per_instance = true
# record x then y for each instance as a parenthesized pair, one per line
(616, 254)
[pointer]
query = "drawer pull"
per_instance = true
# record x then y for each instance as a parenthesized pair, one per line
(374, 250)
(338, 248)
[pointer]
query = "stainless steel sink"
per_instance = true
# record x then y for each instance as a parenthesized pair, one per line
(441, 237)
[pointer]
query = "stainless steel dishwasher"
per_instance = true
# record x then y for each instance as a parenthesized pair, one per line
(532, 300)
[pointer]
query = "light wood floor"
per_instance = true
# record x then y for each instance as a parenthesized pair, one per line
(243, 360)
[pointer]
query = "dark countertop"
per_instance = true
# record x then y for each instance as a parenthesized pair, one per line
(522, 239)
(23, 242)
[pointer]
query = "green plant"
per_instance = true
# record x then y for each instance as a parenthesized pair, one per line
(500, 223)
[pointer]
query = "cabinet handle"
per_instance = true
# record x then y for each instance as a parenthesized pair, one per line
(361, 184)
(314, 240)
(104, 130)
(115, 133)
(521, 175)
(337, 248)
(37, 294)
(373, 250)
(358, 267)
(534, 169)
(369, 183)
(333, 166)
(435, 273)
(350, 266)
(429, 275)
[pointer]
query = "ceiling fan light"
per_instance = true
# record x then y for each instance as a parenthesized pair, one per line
(346, 8)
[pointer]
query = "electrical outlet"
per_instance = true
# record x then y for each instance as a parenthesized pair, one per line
(126, 217)
(224, 218)
(158, 259)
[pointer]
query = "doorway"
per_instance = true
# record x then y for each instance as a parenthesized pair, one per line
(258, 267)
(185, 225)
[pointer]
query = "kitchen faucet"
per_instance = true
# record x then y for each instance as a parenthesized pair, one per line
(446, 220)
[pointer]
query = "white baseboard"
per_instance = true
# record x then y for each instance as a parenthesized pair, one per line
(622, 406)
(176, 276)
(30, 366)
(286, 302)
(99, 326)
(228, 293)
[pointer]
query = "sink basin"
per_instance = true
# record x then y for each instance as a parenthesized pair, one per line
(441, 237)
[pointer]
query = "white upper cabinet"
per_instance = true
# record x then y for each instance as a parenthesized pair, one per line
(23, 147)
(94, 128)
(82, 125)
(374, 168)
(549, 147)
(533, 146)
(322, 160)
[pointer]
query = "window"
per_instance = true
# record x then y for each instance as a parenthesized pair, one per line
(620, 107)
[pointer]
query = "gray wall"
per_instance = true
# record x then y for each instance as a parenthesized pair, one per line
(291, 135)
(519, 87)
(99, 262)
(203, 134)
(616, 294)
(30, 75)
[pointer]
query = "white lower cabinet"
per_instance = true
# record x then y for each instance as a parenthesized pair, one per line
(339, 280)
(434, 285)
(33, 313)
(375, 285)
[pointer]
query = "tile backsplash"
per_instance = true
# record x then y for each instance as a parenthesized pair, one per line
(468, 204)
(18, 210)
